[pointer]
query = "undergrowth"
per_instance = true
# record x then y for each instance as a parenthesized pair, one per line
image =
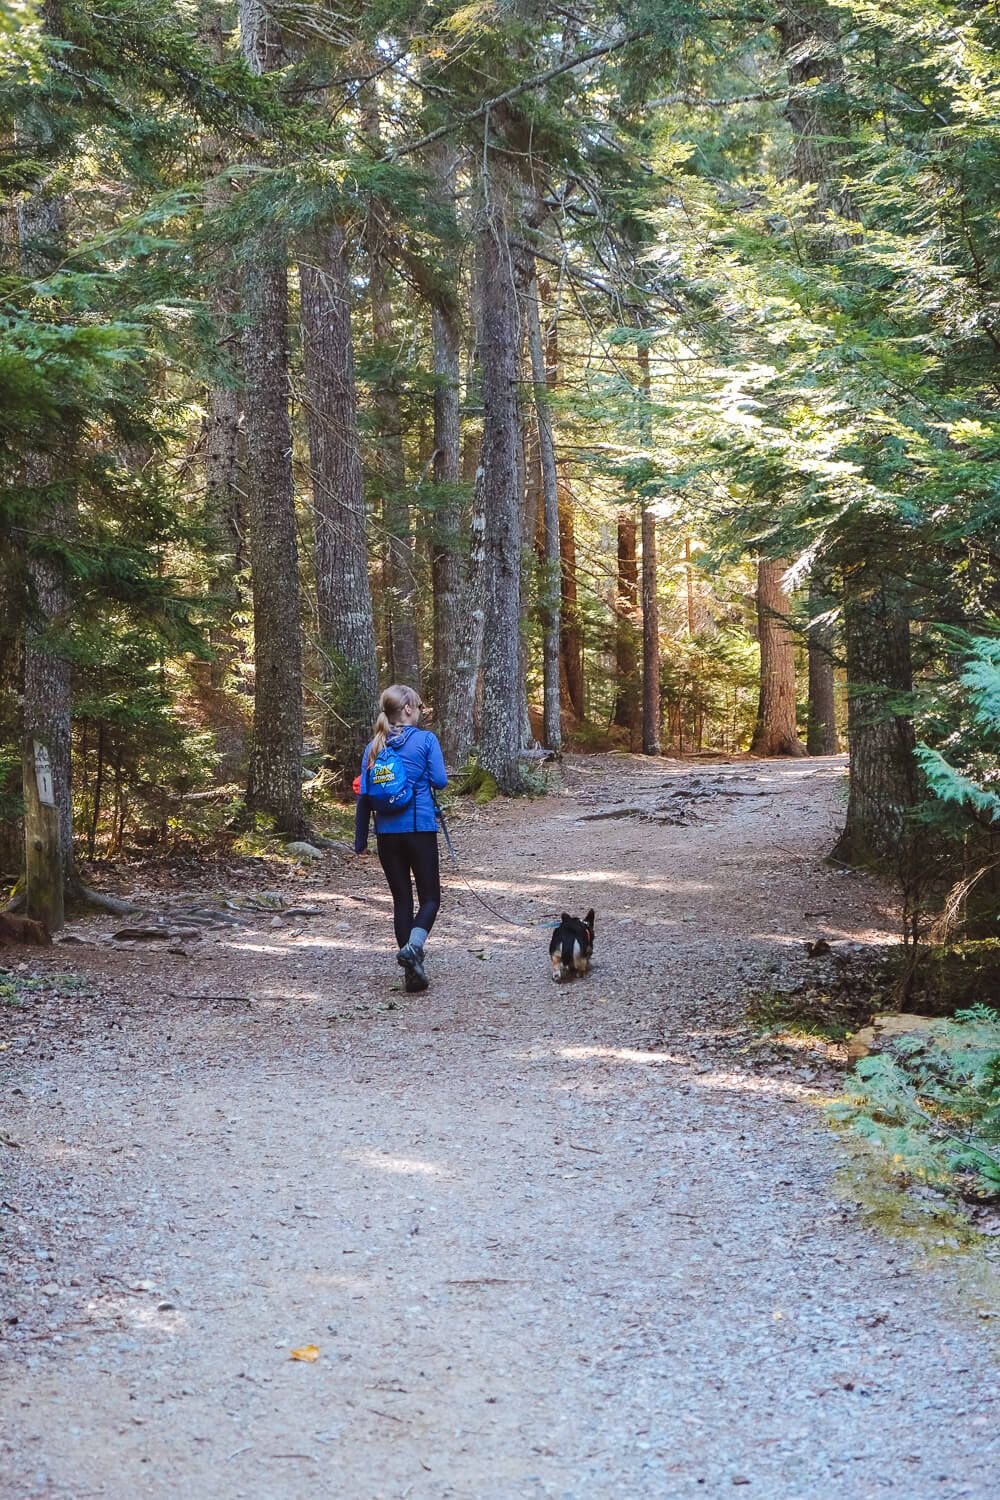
(476, 782)
(931, 1101)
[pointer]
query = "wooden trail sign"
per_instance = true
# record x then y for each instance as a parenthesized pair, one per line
(43, 775)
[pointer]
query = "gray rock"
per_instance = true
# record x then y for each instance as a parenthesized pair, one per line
(301, 850)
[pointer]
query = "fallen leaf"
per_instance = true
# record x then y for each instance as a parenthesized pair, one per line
(308, 1354)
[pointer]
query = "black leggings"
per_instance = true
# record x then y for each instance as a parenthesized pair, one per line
(403, 854)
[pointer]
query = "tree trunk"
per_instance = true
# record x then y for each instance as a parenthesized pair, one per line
(775, 732)
(12, 612)
(468, 647)
(446, 548)
(274, 783)
(501, 467)
(527, 501)
(224, 479)
(809, 41)
(689, 587)
(821, 734)
(46, 707)
(346, 626)
(651, 707)
(650, 638)
(47, 736)
(400, 578)
(551, 570)
(448, 513)
(626, 711)
(469, 644)
(224, 507)
(883, 781)
(570, 634)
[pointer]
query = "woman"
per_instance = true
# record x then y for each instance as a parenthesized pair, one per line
(407, 838)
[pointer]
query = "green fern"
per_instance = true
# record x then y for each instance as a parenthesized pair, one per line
(961, 768)
(950, 785)
(932, 1102)
(982, 679)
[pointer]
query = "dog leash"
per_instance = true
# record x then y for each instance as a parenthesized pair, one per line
(511, 921)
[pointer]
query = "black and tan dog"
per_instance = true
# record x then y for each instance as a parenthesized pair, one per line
(571, 946)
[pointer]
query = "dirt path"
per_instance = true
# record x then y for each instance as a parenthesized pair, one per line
(549, 1241)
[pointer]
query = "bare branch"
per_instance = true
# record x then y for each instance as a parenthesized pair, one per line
(697, 101)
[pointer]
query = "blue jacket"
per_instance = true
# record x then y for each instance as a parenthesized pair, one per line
(420, 753)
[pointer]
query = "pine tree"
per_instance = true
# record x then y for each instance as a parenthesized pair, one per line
(274, 784)
(551, 560)
(504, 277)
(776, 731)
(346, 626)
(626, 712)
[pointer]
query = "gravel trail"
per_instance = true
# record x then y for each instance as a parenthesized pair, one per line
(548, 1241)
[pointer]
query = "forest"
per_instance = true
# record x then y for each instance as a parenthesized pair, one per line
(621, 381)
(622, 377)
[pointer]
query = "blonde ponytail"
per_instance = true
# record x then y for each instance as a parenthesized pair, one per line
(391, 705)
(380, 733)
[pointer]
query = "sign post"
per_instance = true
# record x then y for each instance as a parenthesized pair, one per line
(43, 857)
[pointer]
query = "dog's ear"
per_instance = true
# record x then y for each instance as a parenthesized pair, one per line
(565, 918)
(588, 920)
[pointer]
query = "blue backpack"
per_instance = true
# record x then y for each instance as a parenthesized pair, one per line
(387, 784)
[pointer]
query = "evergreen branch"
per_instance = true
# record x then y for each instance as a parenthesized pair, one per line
(525, 86)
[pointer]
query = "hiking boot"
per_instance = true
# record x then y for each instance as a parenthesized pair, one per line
(414, 986)
(412, 960)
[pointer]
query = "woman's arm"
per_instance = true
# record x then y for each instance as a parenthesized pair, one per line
(363, 810)
(362, 822)
(436, 773)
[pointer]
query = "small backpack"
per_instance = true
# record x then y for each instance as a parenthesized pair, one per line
(386, 782)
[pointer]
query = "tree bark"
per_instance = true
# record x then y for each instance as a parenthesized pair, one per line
(651, 705)
(400, 576)
(47, 735)
(501, 466)
(626, 711)
(570, 634)
(222, 466)
(809, 39)
(527, 499)
(821, 734)
(274, 782)
(651, 713)
(775, 732)
(446, 547)
(46, 706)
(552, 561)
(468, 649)
(469, 645)
(12, 613)
(346, 625)
(883, 780)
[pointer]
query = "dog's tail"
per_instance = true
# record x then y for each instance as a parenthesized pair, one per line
(569, 942)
